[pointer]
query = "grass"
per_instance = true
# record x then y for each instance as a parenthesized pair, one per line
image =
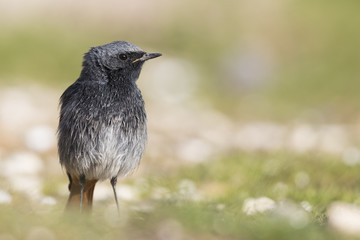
(222, 184)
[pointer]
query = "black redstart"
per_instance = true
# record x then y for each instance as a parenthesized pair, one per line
(102, 128)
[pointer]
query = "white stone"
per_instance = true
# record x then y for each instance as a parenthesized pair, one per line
(260, 136)
(351, 156)
(253, 206)
(303, 139)
(48, 200)
(194, 150)
(28, 184)
(16, 109)
(306, 206)
(293, 213)
(40, 138)
(333, 139)
(5, 197)
(21, 163)
(345, 218)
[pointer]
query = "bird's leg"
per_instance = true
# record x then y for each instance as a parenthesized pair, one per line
(82, 182)
(113, 182)
(81, 193)
(70, 180)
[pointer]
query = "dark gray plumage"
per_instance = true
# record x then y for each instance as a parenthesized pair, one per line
(102, 128)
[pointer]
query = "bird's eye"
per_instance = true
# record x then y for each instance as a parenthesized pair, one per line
(123, 56)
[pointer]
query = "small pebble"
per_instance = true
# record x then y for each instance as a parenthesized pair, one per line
(5, 197)
(345, 218)
(253, 206)
(40, 138)
(48, 201)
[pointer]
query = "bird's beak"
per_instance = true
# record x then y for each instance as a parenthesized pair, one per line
(147, 56)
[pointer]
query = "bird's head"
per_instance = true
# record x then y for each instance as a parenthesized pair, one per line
(118, 58)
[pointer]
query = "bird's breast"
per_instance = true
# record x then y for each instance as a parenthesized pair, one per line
(104, 140)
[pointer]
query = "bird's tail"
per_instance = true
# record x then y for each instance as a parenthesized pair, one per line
(74, 201)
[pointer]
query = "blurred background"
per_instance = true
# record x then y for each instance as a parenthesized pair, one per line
(239, 79)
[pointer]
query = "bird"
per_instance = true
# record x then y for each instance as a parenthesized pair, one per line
(102, 129)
